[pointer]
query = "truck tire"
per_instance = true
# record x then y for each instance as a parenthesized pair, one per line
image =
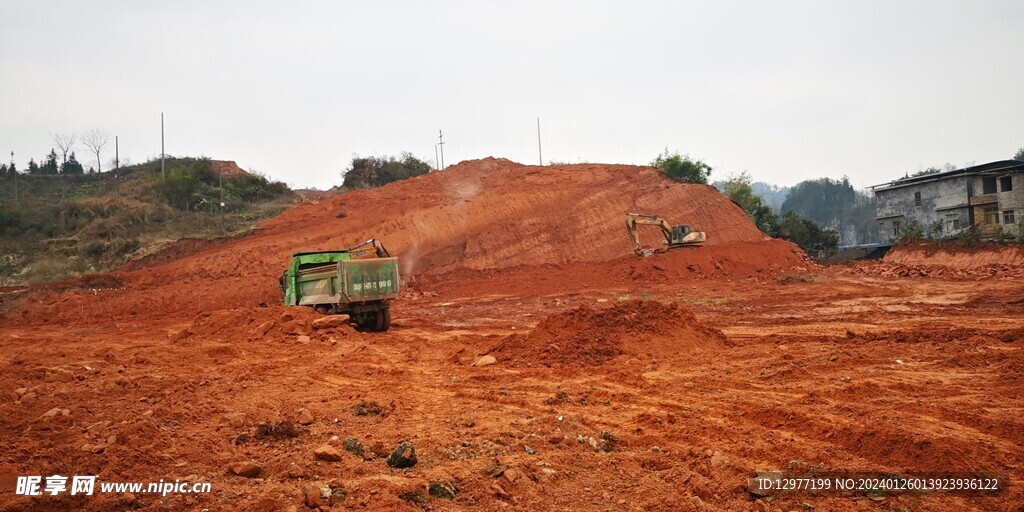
(383, 319)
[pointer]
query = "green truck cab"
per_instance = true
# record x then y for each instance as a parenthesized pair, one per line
(360, 282)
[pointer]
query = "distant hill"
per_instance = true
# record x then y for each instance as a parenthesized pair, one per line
(772, 195)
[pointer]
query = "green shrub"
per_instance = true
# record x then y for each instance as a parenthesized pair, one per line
(682, 168)
(372, 172)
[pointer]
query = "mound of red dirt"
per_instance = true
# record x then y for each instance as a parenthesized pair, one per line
(956, 256)
(947, 261)
(587, 336)
(227, 168)
(480, 215)
(273, 323)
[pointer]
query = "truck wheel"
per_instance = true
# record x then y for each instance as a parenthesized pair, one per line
(383, 320)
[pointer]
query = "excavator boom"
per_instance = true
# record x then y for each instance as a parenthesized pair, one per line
(675, 236)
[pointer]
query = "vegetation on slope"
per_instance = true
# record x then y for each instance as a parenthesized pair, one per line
(55, 226)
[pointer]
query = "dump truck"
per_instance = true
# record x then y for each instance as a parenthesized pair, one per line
(675, 236)
(359, 282)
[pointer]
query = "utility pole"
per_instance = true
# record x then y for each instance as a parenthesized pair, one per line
(220, 179)
(163, 172)
(117, 160)
(540, 155)
(14, 172)
(440, 138)
(436, 161)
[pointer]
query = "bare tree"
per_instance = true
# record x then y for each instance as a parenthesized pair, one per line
(66, 143)
(95, 140)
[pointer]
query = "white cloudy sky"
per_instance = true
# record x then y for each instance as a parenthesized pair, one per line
(784, 90)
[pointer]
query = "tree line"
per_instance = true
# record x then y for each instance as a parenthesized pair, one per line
(93, 140)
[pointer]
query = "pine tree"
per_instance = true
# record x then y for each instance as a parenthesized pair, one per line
(72, 166)
(33, 167)
(3, 170)
(50, 165)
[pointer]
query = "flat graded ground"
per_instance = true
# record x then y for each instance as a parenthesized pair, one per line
(816, 369)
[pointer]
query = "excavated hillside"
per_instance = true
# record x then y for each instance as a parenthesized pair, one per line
(482, 214)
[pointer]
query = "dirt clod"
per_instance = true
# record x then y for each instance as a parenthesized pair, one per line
(403, 456)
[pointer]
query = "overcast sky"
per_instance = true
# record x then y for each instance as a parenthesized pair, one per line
(784, 90)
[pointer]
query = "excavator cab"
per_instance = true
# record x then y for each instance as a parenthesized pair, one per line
(679, 234)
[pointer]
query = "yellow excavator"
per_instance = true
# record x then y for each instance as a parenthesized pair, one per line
(675, 236)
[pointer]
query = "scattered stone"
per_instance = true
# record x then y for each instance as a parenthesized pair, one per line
(485, 361)
(512, 475)
(404, 456)
(63, 376)
(328, 453)
(93, 448)
(696, 503)
(296, 328)
(353, 446)
(494, 469)
(28, 397)
(313, 499)
(608, 441)
(296, 471)
(265, 327)
(246, 469)
(280, 430)
(330, 322)
(368, 408)
(303, 339)
(415, 498)
(529, 450)
(97, 428)
(304, 417)
(469, 423)
(443, 490)
(547, 472)
(56, 412)
(338, 495)
(20, 392)
(235, 419)
(499, 491)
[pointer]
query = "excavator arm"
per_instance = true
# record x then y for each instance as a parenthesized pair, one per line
(675, 236)
(371, 246)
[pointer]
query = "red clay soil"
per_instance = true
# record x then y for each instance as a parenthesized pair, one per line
(227, 168)
(955, 256)
(185, 369)
(948, 260)
(484, 214)
(587, 336)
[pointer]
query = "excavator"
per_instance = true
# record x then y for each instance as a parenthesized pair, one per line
(675, 236)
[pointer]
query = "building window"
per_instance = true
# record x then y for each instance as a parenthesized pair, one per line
(988, 184)
(1008, 217)
(895, 229)
(917, 199)
(1005, 184)
(953, 224)
(991, 215)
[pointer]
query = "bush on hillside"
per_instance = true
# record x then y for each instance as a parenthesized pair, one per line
(374, 171)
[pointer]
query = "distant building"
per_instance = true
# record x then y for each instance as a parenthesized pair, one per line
(989, 195)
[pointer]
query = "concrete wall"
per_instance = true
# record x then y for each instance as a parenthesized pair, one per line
(941, 200)
(1002, 200)
(955, 202)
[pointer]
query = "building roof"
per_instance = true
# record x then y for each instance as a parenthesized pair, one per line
(1001, 166)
